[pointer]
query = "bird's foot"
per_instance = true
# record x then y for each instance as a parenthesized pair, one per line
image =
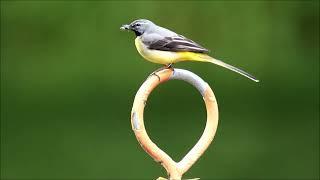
(155, 74)
(168, 66)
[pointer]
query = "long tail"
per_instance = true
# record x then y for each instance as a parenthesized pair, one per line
(207, 58)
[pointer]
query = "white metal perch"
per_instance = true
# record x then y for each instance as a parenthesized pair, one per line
(174, 169)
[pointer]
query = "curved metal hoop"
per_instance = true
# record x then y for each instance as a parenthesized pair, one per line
(174, 169)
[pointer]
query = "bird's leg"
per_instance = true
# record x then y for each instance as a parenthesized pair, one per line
(169, 66)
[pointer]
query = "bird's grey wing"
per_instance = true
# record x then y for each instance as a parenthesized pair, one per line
(176, 44)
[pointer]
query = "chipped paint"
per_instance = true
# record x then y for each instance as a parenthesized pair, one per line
(135, 121)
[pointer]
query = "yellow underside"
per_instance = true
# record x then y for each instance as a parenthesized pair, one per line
(167, 57)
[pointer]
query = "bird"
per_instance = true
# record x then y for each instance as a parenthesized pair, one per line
(163, 46)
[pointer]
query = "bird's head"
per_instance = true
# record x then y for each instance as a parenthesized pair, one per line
(139, 26)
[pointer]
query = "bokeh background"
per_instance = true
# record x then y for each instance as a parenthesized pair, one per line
(69, 76)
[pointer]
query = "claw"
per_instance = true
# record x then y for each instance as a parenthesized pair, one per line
(155, 74)
(168, 66)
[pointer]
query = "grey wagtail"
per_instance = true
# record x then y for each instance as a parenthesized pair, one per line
(162, 46)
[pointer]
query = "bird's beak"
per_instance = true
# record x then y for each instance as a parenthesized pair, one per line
(125, 27)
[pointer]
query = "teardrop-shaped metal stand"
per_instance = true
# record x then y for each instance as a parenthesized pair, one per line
(174, 169)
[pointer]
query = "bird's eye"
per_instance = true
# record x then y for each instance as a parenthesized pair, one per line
(137, 24)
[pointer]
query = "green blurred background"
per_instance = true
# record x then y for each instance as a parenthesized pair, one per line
(69, 76)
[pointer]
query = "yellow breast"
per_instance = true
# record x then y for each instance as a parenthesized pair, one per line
(156, 56)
